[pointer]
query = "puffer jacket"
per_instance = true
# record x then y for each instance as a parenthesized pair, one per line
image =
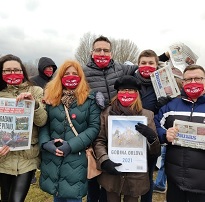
(41, 79)
(184, 166)
(133, 184)
(19, 162)
(103, 80)
(67, 176)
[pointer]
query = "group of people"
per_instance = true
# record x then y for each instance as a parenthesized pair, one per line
(71, 113)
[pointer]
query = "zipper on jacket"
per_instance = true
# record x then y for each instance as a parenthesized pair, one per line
(192, 110)
(107, 87)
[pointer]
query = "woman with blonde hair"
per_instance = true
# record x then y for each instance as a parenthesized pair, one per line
(127, 102)
(64, 162)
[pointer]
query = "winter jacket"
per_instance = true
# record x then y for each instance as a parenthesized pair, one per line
(41, 79)
(19, 162)
(133, 184)
(103, 80)
(67, 176)
(184, 166)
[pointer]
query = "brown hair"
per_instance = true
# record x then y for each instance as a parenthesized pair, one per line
(7, 58)
(148, 53)
(136, 105)
(193, 67)
(102, 38)
(54, 89)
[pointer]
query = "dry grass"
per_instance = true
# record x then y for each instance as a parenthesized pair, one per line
(37, 195)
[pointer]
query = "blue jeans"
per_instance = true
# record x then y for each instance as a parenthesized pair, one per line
(161, 176)
(59, 199)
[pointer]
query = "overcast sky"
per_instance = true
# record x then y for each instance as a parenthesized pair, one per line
(31, 29)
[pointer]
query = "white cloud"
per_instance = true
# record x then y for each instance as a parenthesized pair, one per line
(33, 28)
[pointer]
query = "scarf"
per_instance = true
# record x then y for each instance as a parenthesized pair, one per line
(68, 97)
(118, 109)
(145, 84)
(143, 81)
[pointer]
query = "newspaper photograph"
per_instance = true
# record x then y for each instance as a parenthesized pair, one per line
(181, 56)
(190, 134)
(164, 82)
(16, 123)
(126, 145)
(175, 71)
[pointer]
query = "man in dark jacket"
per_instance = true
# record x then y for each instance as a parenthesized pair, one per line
(184, 166)
(46, 69)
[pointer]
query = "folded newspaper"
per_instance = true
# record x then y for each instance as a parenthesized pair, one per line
(164, 83)
(190, 134)
(181, 56)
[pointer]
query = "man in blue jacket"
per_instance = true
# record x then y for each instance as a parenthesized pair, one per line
(184, 166)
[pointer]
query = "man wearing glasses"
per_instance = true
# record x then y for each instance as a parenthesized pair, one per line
(102, 71)
(184, 166)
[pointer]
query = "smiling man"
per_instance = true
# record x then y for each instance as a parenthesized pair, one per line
(184, 166)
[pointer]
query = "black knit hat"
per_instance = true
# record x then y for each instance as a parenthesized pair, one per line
(126, 82)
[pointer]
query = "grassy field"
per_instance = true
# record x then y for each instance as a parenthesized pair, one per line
(37, 195)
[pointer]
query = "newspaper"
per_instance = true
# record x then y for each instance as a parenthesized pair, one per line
(164, 82)
(126, 145)
(16, 123)
(181, 56)
(190, 134)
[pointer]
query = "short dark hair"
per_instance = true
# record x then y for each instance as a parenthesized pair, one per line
(102, 38)
(11, 57)
(193, 67)
(148, 53)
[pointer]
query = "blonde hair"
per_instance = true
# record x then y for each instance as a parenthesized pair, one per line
(54, 89)
(136, 105)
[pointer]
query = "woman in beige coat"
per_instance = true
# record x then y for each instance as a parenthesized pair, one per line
(130, 184)
(17, 167)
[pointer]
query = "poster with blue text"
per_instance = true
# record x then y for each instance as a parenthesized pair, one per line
(126, 145)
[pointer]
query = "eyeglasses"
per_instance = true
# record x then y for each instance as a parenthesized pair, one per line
(98, 50)
(196, 79)
(130, 91)
(9, 71)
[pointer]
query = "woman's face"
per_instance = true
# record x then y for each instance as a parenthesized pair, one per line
(12, 67)
(12, 73)
(71, 71)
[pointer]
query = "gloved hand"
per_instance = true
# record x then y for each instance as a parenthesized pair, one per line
(146, 132)
(49, 146)
(100, 100)
(109, 166)
(162, 101)
(65, 148)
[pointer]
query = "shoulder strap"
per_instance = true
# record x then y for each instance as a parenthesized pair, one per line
(69, 121)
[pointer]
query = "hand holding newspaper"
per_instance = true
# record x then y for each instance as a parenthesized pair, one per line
(164, 83)
(16, 123)
(190, 134)
(181, 56)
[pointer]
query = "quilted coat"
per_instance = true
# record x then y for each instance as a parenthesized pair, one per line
(67, 176)
(104, 80)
